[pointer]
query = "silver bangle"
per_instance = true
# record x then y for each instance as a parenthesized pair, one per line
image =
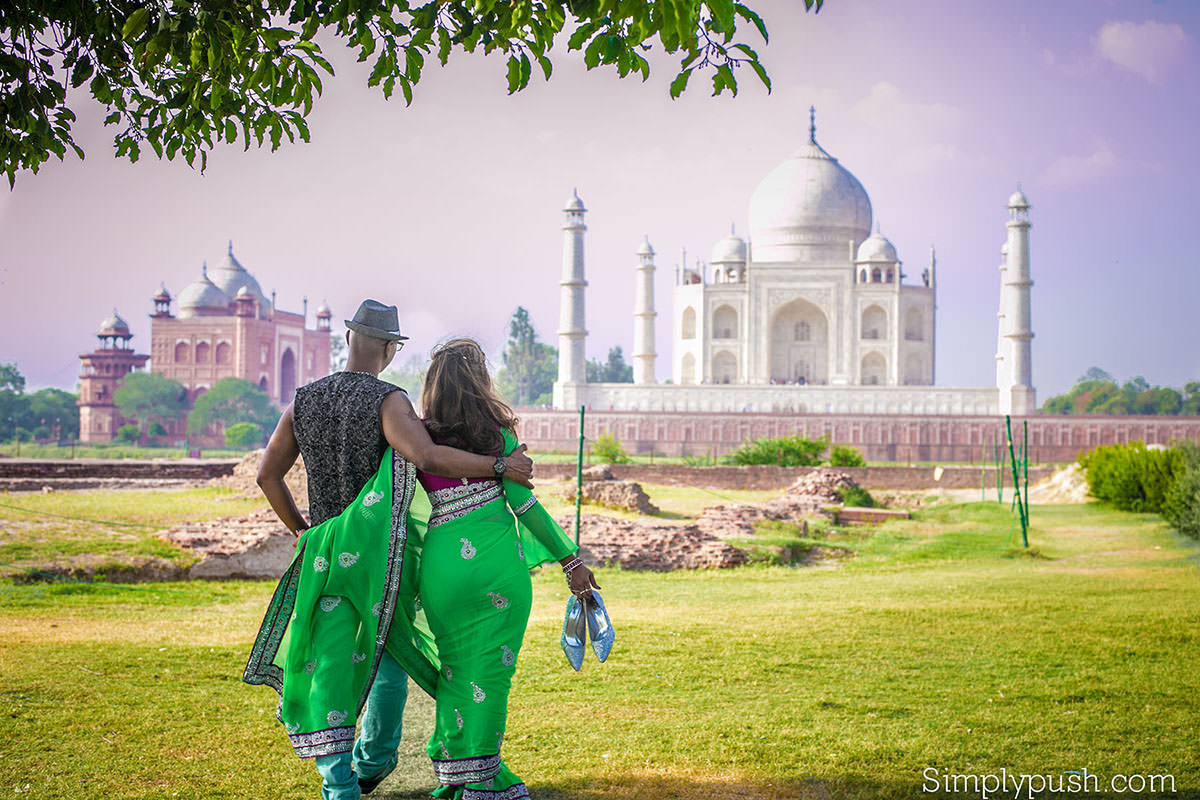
(571, 565)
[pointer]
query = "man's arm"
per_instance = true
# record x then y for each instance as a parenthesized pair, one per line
(407, 435)
(282, 452)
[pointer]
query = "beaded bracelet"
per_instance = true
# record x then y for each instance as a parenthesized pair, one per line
(571, 565)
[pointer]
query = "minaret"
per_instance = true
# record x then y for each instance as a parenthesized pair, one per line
(933, 317)
(1002, 355)
(1017, 308)
(643, 316)
(572, 330)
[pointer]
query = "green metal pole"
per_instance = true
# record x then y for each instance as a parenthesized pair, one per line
(1012, 455)
(579, 476)
(1025, 453)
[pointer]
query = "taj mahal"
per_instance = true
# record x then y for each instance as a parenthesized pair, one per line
(811, 313)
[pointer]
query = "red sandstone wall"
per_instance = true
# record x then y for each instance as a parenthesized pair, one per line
(902, 438)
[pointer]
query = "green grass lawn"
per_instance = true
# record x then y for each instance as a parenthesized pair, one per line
(936, 646)
(66, 451)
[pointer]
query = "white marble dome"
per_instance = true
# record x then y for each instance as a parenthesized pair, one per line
(1017, 200)
(810, 197)
(202, 296)
(730, 250)
(877, 248)
(573, 202)
(645, 249)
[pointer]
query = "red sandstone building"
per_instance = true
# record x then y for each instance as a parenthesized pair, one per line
(224, 327)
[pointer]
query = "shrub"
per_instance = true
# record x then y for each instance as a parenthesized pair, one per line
(1131, 476)
(157, 429)
(786, 451)
(129, 434)
(243, 435)
(608, 450)
(857, 497)
(1181, 508)
(843, 455)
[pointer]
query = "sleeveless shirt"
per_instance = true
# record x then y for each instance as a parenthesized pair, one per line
(337, 424)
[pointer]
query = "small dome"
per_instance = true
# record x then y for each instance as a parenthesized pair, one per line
(645, 249)
(324, 310)
(876, 247)
(730, 250)
(114, 326)
(1017, 200)
(202, 295)
(573, 202)
(231, 277)
(244, 292)
(162, 294)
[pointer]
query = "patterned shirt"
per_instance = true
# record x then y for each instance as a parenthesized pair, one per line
(337, 424)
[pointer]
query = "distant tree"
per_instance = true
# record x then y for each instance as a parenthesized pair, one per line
(1098, 393)
(613, 370)
(233, 400)
(181, 77)
(243, 435)
(529, 366)
(409, 376)
(13, 403)
(1096, 374)
(129, 434)
(149, 397)
(56, 410)
(11, 379)
(338, 353)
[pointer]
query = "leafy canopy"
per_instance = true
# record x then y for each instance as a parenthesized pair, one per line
(529, 366)
(1097, 392)
(149, 397)
(180, 76)
(230, 401)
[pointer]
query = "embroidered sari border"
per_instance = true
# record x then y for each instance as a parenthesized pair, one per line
(323, 743)
(466, 770)
(515, 792)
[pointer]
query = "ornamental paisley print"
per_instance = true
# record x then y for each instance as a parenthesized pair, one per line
(320, 564)
(357, 657)
(458, 720)
(336, 718)
(347, 560)
(310, 667)
(449, 673)
(371, 498)
(468, 549)
(330, 603)
(520, 551)
(477, 694)
(376, 609)
(445, 752)
(498, 600)
(507, 656)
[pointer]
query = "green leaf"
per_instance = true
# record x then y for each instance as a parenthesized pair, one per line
(83, 71)
(747, 13)
(581, 35)
(761, 73)
(273, 36)
(514, 74)
(136, 24)
(545, 64)
(680, 83)
(230, 130)
(443, 46)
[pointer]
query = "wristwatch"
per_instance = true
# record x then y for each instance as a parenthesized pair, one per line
(499, 466)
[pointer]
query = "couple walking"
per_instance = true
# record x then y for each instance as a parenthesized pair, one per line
(385, 586)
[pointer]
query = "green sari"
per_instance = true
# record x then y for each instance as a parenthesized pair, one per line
(448, 595)
(476, 594)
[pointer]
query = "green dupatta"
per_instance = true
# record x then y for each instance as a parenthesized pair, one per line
(348, 594)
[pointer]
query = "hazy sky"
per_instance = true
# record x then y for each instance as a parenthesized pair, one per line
(452, 208)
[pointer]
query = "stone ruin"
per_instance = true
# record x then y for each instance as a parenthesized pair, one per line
(650, 546)
(602, 489)
(809, 494)
(243, 479)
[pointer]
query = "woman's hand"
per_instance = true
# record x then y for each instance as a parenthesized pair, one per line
(582, 581)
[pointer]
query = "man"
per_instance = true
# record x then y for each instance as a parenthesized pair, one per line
(342, 425)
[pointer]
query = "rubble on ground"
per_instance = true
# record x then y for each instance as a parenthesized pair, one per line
(651, 546)
(245, 475)
(610, 493)
(255, 546)
(808, 495)
(1067, 485)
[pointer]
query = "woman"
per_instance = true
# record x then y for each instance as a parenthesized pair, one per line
(474, 583)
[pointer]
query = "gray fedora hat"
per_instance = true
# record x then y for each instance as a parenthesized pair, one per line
(376, 320)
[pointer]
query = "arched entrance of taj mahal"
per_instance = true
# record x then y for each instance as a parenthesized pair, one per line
(799, 347)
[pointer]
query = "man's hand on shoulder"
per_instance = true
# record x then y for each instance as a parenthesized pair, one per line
(518, 467)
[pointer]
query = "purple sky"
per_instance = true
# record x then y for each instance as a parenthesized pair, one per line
(451, 208)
